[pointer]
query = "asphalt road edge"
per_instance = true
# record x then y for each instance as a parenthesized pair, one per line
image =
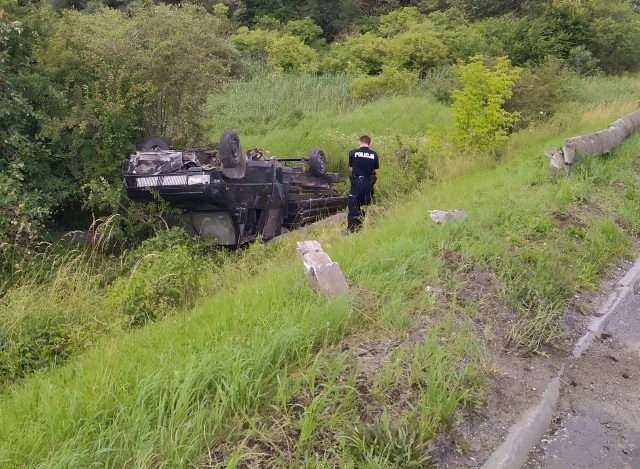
(623, 289)
(525, 434)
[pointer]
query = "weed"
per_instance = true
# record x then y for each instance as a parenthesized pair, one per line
(537, 328)
(253, 368)
(389, 444)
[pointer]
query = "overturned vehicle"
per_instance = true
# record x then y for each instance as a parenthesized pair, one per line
(233, 197)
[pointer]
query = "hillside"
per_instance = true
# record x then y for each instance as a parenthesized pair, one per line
(83, 82)
(145, 347)
(402, 371)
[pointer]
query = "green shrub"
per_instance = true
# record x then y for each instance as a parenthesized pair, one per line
(418, 50)
(613, 35)
(305, 29)
(440, 82)
(398, 21)
(389, 83)
(41, 339)
(254, 42)
(540, 92)
(525, 40)
(131, 221)
(582, 61)
(165, 273)
(359, 55)
(290, 54)
(478, 108)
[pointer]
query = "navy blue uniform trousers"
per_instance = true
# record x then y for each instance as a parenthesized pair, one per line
(360, 194)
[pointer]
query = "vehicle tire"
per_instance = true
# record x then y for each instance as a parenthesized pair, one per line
(154, 144)
(230, 151)
(317, 162)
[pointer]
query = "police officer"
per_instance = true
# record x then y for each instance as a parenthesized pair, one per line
(363, 169)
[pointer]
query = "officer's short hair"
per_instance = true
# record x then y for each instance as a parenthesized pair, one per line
(366, 139)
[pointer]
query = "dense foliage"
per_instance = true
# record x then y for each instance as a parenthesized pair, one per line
(82, 81)
(440, 84)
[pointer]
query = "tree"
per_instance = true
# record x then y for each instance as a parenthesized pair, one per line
(477, 9)
(614, 34)
(306, 29)
(254, 42)
(524, 40)
(290, 54)
(137, 73)
(32, 180)
(333, 16)
(360, 55)
(399, 21)
(418, 49)
(478, 107)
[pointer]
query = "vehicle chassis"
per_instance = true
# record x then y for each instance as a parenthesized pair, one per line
(232, 197)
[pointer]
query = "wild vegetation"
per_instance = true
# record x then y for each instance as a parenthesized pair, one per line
(82, 82)
(148, 348)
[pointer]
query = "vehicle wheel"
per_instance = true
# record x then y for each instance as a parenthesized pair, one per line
(230, 152)
(154, 144)
(317, 162)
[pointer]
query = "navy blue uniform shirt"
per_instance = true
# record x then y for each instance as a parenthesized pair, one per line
(364, 161)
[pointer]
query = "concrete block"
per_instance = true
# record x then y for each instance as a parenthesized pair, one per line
(628, 123)
(556, 160)
(569, 151)
(618, 132)
(321, 272)
(582, 146)
(635, 118)
(305, 246)
(608, 140)
(444, 216)
(596, 142)
(622, 126)
(330, 280)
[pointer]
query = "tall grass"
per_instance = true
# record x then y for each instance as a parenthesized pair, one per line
(258, 362)
(269, 102)
(66, 296)
(158, 389)
(288, 116)
(56, 309)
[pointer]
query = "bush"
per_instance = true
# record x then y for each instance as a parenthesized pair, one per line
(130, 222)
(305, 29)
(42, 339)
(290, 54)
(540, 92)
(418, 50)
(166, 273)
(440, 82)
(360, 55)
(398, 21)
(481, 120)
(255, 42)
(582, 61)
(389, 83)
(614, 34)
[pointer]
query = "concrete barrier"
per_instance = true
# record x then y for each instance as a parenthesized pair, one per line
(594, 144)
(322, 273)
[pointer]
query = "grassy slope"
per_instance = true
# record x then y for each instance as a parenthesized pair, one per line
(163, 394)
